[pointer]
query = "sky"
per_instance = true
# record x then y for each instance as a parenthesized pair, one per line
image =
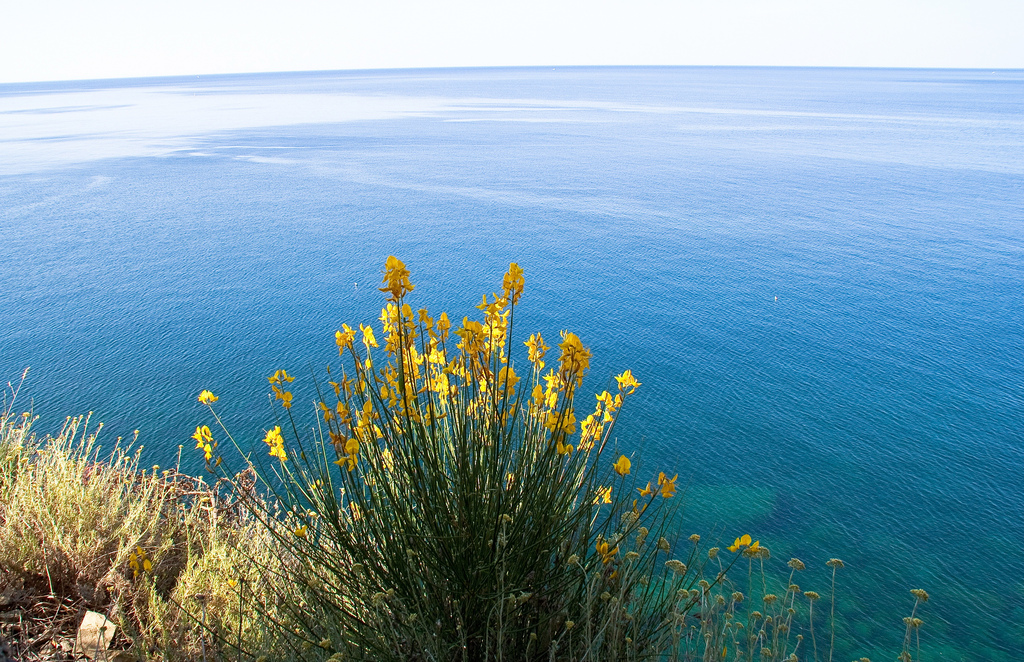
(45, 40)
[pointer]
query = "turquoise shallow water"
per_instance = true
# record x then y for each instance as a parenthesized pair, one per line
(817, 275)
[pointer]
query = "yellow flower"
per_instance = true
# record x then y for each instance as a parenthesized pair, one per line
(275, 441)
(507, 378)
(606, 554)
(646, 491)
(513, 283)
(627, 383)
(568, 422)
(667, 486)
(443, 325)
(348, 462)
(563, 449)
(368, 338)
(622, 466)
(396, 279)
(137, 561)
(388, 459)
(284, 396)
(202, 435)
(300, 532)
(207, 398)
(575, 358)
(204, 441)
(344, 338)
(279, 377)
(604, 495)
(742, 541)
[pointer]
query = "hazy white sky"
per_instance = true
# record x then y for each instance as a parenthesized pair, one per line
(62, 40)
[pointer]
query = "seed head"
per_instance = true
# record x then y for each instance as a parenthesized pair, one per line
(796, 564)
(920, 594)
(713, 552)
(695, 538)
(812, 595)
(835, 563)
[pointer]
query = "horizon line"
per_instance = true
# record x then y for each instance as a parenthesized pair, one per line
(380, 70)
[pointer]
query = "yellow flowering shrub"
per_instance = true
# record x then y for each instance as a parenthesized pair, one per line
(437, 506)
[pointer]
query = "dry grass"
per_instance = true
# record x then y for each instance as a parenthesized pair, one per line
(74, 517)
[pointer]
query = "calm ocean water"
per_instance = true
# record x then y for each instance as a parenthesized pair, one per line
(817, 274)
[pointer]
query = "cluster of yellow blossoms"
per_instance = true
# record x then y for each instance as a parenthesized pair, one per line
(277, 381)
(138, 561)
(275, 441)
(743, 542)
(204, 439)
(422, 383)
(666, 486)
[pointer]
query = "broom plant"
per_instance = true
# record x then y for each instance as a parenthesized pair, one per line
(447, 508)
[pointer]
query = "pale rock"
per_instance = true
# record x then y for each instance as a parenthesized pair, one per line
(94, 635)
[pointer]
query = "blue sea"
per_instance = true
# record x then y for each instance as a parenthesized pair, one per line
(817, 275)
